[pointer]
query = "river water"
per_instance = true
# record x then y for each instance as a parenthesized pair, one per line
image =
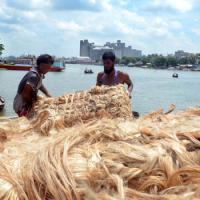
(153, 89)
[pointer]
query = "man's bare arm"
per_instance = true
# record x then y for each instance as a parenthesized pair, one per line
(128, 81)
(98, 83)
(44, 90)
(27, 94)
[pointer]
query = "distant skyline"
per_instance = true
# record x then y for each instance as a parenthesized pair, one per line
(57, 26)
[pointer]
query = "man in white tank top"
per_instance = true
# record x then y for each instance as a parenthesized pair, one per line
(110, 76)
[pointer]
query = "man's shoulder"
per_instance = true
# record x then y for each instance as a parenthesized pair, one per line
(123, 74)
(32, 77)
(100, 74)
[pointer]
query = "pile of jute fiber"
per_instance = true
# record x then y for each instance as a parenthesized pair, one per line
(153, 157)
(81, 107)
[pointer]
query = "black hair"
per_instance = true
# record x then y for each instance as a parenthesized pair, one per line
(45, 59)
(109, 55)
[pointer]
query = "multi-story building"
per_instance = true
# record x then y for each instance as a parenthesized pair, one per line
(119, 48)
(85, 47)
(181, 54)
(97, 52)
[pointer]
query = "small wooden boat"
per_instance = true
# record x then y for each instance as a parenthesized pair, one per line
(57, 66)
(88, 71)
(2, 103)
(175, 75)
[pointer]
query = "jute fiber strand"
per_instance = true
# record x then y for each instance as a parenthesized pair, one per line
(81, 107)
(153, 157)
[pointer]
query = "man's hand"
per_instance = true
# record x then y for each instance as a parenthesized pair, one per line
(128, 81)
(129, 94)
(48, 95)
(45, 91)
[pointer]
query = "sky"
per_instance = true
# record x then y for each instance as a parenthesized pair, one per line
(57, 26)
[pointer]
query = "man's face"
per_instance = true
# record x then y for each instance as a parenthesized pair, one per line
(108, 66)
(44, 68)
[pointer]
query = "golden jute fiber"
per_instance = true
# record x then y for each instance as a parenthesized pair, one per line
(153, 157)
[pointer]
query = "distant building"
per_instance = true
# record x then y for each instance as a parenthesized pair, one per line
(79, 60)
(85, 47)
(181, 54)
(10, 59)
(95, 52)
(23, 59)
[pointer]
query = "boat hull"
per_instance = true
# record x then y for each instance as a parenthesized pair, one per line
(15, 67)
(2, 103)
(27, 68)
(1, 107)
(56, 69)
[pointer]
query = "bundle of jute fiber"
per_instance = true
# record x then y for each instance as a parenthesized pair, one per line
(105, 159)
(81, 107)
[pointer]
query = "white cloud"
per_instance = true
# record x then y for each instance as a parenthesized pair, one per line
(40, 3)
(123, 28)
(179, 5)
(34, 15)
(106, 5)
(92, 1)
(4, 11)
(176, 25)
(72, 26)
(49, 29)
(161, 27)
(131, 16)
(196, 31)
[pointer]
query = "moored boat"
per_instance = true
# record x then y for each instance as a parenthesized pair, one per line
(2, 103)
(175, 75)
(15, 67)
(88, 71)
(57, 66)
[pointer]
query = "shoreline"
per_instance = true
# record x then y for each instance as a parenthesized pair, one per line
(142, 67)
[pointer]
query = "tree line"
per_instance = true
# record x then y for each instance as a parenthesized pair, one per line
(1, 48)
(160, 61)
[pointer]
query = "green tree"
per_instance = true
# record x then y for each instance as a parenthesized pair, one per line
(192, 59)
(145, 59)
(183, 61)
(197, 58)
(159, 62)
(1, 48)
(127, 60)
(171, 61)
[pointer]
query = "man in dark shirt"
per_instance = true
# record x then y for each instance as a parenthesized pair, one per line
(30, 84)
(110, 76)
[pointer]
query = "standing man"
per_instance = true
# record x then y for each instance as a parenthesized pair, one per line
(110, 76)
(30, 84)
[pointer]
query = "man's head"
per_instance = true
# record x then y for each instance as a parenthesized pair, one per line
(44, 63)
(108, 61)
